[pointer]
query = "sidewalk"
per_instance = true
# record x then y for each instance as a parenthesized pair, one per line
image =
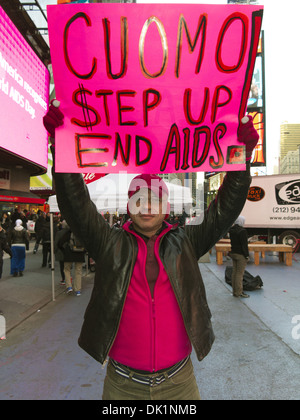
(256, 354)
(278, 301)
(20, 297)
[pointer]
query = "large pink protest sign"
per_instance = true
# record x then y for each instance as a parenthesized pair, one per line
(152, 87)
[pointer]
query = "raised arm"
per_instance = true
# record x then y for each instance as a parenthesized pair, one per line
(73, 196)
(230, 200)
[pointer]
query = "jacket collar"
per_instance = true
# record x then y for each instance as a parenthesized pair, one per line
(166, 227)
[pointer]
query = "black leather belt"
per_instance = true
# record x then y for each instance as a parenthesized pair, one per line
(150, 379)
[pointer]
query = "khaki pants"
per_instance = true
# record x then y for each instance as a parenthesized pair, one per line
(77, 279)
(181, 386)
(239, 265)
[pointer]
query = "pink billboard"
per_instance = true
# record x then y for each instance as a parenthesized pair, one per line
(152, 87)
(24, 95)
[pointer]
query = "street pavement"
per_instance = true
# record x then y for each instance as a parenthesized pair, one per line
(256, 354)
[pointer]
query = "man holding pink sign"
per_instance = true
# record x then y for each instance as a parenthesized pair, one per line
(148, 308)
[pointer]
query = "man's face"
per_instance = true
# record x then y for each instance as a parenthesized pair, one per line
(147, 211)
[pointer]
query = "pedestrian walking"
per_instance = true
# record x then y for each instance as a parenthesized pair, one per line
(46, 241)
(148, 306)
(38, 229)
(240, 255)
(3, 247)
(59, 252)
(19, 243)
(73, 255)
(6, 222)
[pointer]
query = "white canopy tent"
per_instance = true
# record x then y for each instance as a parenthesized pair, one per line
(109, 193)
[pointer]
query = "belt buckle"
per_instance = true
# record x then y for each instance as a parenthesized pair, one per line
(152, 381)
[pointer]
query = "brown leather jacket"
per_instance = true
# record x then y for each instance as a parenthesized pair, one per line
(115, 250)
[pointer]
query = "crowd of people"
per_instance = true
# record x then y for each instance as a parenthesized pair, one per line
(15, 237)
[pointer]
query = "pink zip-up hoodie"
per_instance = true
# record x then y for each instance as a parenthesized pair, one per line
(151, 335)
